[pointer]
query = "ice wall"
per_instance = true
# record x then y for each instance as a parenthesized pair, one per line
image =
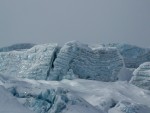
(102, 64)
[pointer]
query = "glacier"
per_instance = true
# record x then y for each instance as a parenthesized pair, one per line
(74, 78)
(73, 60)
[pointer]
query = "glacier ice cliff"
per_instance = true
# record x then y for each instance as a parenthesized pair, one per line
(73, 60)
(31, 63)
(141, 76)
(102, 64)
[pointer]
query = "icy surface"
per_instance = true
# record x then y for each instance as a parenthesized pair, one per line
(71, 96)
(127, 107)
(133, 55)
(24, 71)
(34, 63)
(9, 104)
(103, 64)
(141, 76)
(50, 62)
(105, 95)
(47, 97)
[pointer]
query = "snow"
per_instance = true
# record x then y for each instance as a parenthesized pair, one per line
(9, 104)
(127, 107)
(103, 94)
(45, 97)
(85, 96)
(126, 74)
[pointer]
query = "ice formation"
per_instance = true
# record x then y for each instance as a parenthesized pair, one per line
(133, 55)
(141, 76)
(46, 97)
(103, 64)
(74, 78)
(127, 107)
(9, 104)
(34, 63)
(73, 60)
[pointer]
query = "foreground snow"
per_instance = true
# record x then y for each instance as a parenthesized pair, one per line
(9, 104)
(77, 96)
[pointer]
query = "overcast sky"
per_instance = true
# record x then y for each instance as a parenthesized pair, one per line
(88, 21)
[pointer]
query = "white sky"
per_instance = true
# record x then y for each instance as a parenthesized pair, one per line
(88, 21)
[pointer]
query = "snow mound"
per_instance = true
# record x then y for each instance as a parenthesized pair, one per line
(141, 76)
(34, 63)
(103, 64)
